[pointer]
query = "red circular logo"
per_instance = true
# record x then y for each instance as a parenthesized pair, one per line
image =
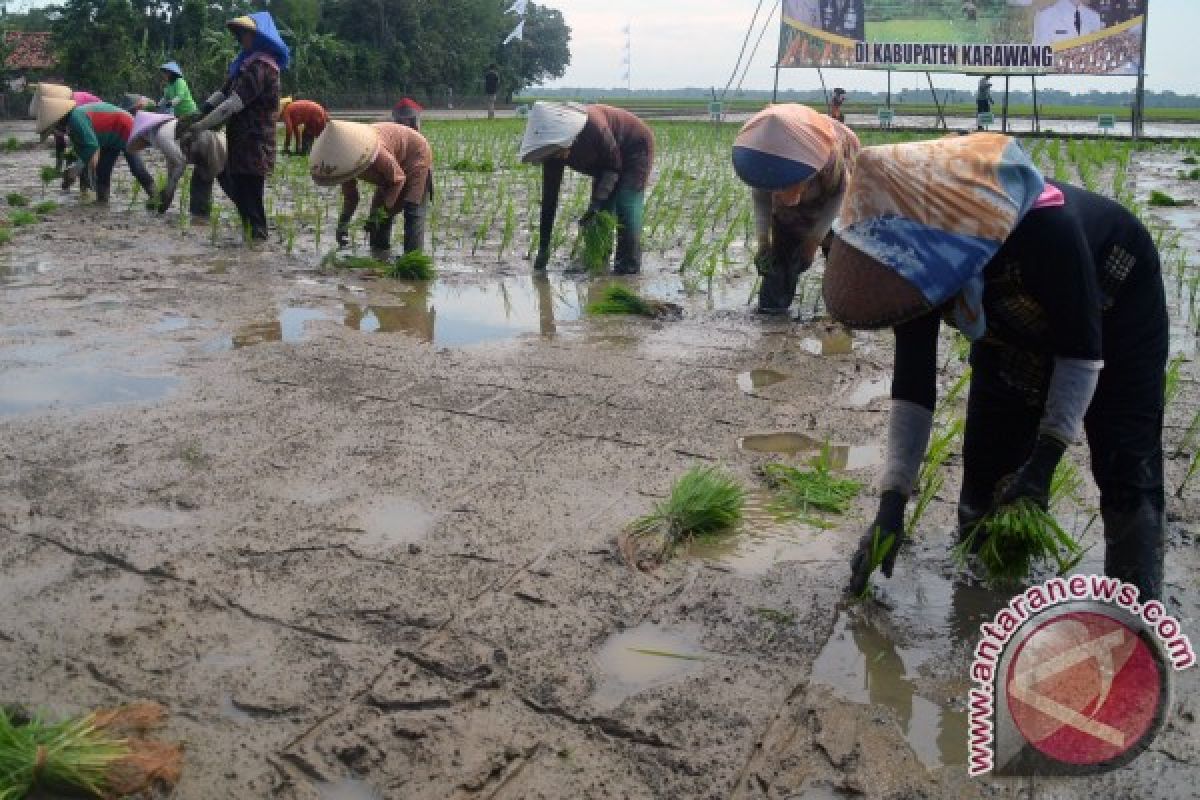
(1084, 688)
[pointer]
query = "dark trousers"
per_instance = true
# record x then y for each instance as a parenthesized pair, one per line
(1124, 433)
(246, 192)
(104, 168)
(200, 201)
(306, 142)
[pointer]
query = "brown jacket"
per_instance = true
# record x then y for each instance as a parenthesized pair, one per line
(402, 170)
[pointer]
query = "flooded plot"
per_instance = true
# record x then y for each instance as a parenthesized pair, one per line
(755, 379)
(834, 343)
(642, 658)
(764, 539)
(844, 457)
(25, 390)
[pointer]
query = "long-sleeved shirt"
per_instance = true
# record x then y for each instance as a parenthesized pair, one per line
(1046, 290)
(98, 126)
(401, 170)
(178, 97)
(303, 115)
(615, 149)
(251, 132)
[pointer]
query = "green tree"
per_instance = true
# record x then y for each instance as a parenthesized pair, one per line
(544, 53)
(95, 47)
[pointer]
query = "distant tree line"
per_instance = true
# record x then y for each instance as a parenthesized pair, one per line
(429, 49)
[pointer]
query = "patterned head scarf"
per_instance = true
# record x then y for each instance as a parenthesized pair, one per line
(785, 145)
(936, 212)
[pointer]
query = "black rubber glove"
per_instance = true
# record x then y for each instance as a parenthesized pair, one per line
(889, 522)
(762, 262)
(70, 175)
(342, 236)
(1032, 481)
(185, 122)
(587, 217)
(543, 258)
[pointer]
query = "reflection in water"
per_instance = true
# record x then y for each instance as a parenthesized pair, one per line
(755, 379)
(641, 657)
(347, 789)
(834, 343)
(288, 326)
(28, 389)
(843, 457)
(763, 540)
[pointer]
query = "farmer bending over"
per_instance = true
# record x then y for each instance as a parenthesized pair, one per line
(205, 150)
(1059, 291)
(394, 158)
(797, 163)
(249, 102)
(304, 120)
(99, 132)
(614, 148)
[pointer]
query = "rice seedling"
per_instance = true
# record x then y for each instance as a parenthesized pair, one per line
(1066, 483)
(618, 299)
(1190, 160)
(801, 492)
(5, 235)
(1163, 200)
(358, 262)
(1171, 380)
(704, 502)
(48, 175)
(19, 219)
(17, 200)
(45, 207)
(12, 144)
(1193, 468)
(1190, 175)
(596, 241)
(881, 548)
(1010, 541)
(412, 266)
(930, 478)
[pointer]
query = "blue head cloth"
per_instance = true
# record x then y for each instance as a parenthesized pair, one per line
(266, 40)
(173, 68)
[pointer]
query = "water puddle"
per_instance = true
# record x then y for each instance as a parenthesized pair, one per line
(24, 390)
(288, 326)
(347, 789)
(842, 457)
(863, 666)
(764, 540)
(641, 658)
(868, 392)
(755, 379)
(171, 323)
(834, 343)
(386, 522)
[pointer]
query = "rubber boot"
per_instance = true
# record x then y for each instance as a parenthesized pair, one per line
(200, 201)
(414, 226)
(379, 234)
(778, 289)
(1133, 547)
(629, 252)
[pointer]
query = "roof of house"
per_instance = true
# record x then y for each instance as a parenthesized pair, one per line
(30, 50)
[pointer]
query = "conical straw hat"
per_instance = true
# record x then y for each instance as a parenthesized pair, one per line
(51, 110)
(342, 152)
(46, 90)
(551, 127)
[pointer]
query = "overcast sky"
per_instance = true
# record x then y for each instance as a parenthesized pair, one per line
(680, 43)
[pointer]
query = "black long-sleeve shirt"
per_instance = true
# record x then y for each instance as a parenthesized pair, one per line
(1045, 290)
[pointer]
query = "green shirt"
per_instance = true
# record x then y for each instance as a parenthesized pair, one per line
(178, 96)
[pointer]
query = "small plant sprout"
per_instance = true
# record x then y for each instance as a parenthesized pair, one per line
(596, 241)
(5, 235)
(704, 502)
(20, 219)
(48, 176)
(17, 200)
(45, 207)
(1163, 200)
(1171, 380)
(617, 300)
(412, 266)
(881, 548)
(801, 492)
(12, 144)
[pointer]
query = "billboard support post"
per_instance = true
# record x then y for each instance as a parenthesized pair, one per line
(1004, 119)
(775, 91)
(821, 75)
(889, 95)
(1037, 120)
(1139, 102)
(941, 118)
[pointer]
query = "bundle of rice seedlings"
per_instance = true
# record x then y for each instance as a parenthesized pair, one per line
(703, 502)
(45, 207)
(413, 266)
(20, 219)
(617, 299)
(800, 492)
(1011, 540)
(1163, 200)
(17, 200)
(596, 239)
(359, 262)
(5, 235)
(12, 144)
(86, 755)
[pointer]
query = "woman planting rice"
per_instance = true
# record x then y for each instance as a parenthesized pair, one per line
(205, 150)
(610, 145)
(1060, 292)
(796, 162)
(303, 120)
(99, 132)
(249, 102)
(396, 159)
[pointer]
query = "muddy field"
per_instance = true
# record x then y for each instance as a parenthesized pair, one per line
(358, 535)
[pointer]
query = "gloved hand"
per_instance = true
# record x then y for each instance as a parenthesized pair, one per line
(588, 216)
(1032, 481)
(762, 261)
(889, 523)
(343, 237)
(70, 175)
(185, 122)
(543, 258)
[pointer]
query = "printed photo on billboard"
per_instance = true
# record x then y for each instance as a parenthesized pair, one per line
(1039, 37)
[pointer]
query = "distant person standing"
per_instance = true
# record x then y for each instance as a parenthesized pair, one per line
(407, 112)
(836, 103)
(491, 87)
(1066, 19)
(177, 97)
(303, 120)
(983, 97)
(970, 10)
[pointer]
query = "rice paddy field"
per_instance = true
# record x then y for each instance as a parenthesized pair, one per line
(366, 537)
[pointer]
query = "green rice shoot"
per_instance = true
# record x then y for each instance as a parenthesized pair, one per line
(17, 200)
(45, 207)
(360, 262)
(617, 299)
(1163, 200)
(5, 235)
(69, 756)
(704, 502)
(881, 548)
(596, 239)
(1012, 540)
(802, 493)
(20, 219)
(412, 266)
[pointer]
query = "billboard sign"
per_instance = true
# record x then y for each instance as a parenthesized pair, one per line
(1018, 37)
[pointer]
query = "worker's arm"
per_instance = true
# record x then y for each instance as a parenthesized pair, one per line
(176, 164)
(83, 138)
(609, 159)
(914, 394)
(552, 175)
(349, 206)
(288, 129)
(387, 196)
